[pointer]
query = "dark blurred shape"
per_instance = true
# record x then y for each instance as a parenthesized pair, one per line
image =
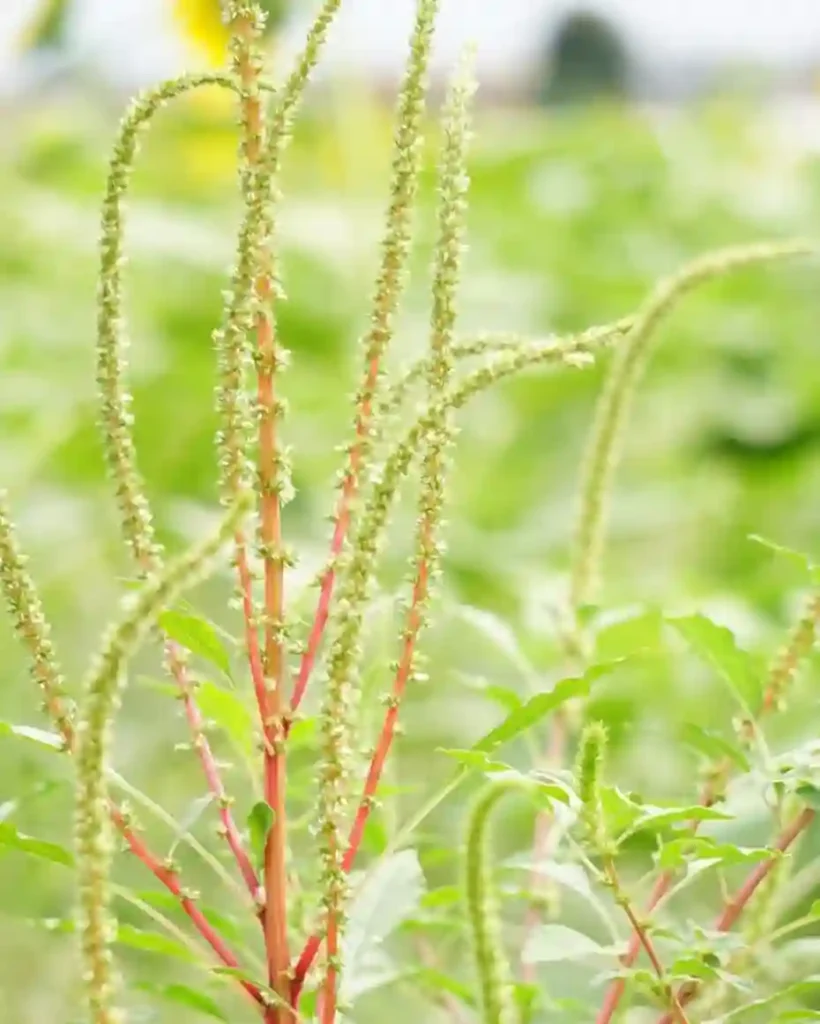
(738, 448)
(586, 58)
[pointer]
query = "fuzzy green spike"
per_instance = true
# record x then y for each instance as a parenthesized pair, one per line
(493, 970)
(116, 417)
(336, 711)
(294, 88)
(354, 591)
(259, 183)
(438, 438)
(101, 694)
(32, 627)
(603, 448)
(486, 344)
(591, 750)
(792, 654)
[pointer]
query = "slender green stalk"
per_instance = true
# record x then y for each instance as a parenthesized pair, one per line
(438, 438)
(101, 694)
(396, 245)
(589, 767)
(603, 449)
(32, 627)
(491, 964)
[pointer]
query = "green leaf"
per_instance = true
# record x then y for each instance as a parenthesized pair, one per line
(506, 696)
(387, 897)
(260, 822)
(713, 746)
(28, 732)
(198, 636)
(166, 902)
(703, 852)
(240, 975)
(230, 713)
(195, 810)
(656, 819)
(475, 759)
(440, 982)
(183, 995)
(552, 943)
(628, 632)
(127, 935)
(499, 635)
(620, 810)
(540, 705)
(806, 563)
(717, 646)
(810, 795)
(799, 988)
(12, 839)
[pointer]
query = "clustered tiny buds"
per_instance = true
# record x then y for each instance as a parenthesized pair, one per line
(101, 697)
(338, 705)
(591, 752)
(255, 478)
(498, 1004)
(603, 448)
(32, 629)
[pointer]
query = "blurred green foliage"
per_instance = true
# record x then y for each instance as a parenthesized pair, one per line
(573, 217)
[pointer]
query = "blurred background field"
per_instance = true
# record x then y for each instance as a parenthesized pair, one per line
(577, 208)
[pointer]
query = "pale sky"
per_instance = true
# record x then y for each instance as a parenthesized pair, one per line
(131, 41)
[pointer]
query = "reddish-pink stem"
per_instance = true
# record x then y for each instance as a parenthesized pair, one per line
(209, 767)
(542, 840)
(709, 795)
(251, 636)
(734, 907)
(662, 886)
(170, 879)
(646, 942)
(377, 762)
(350, 486)
(164, 875)
(616, 990)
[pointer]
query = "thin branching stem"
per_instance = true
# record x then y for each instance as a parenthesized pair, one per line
(782, 673)
(604, 444)
(736, 905)
(117, 421)
(389, 287)
(94, 733)
(33, 630)
(571, 351)
(492, 969)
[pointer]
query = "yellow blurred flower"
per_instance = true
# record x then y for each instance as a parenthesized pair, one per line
(202, 26)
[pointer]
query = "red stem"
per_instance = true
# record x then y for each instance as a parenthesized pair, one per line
(663, 884)
(646, 942)
(734, 907)
(414, 623)
(268, 681)
(165, 876)
(209, 767)
(350, 486)
(542, 839)
(783, 671)
(251, 637)
(170, 879)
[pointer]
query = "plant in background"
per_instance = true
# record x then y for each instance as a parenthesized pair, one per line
(302, 913)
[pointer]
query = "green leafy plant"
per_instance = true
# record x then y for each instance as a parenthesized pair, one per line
(320, 941)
